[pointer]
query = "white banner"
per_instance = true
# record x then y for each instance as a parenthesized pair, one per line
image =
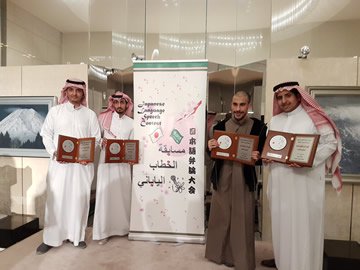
(168, 183)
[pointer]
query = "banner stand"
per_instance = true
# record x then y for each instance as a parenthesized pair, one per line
(169, 122)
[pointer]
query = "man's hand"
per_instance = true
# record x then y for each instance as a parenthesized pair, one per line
(83, 162)
(212, 144)
(294, 165)
(103, 143)
(255, 155)
(55, 157)
(267, 161)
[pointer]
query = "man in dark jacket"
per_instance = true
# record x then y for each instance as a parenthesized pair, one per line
(230, 236)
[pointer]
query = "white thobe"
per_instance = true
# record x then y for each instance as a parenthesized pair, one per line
(68, 184)
(296, 197)
(113, 190)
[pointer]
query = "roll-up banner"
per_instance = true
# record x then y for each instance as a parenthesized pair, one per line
(168, 183)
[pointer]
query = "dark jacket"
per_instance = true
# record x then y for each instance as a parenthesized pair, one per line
(258, 129)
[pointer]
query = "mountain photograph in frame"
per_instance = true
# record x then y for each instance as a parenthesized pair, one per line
(21, 119)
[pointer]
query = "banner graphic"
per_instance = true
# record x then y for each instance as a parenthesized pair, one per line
(168, 183)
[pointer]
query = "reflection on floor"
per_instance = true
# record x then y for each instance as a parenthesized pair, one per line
(118, 253)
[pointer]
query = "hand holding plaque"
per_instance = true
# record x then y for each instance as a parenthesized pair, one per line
(286, 147)
(233, 146)
(73, 150)
(122, 151)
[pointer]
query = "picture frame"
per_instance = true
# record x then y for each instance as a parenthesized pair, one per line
(21, 119)
(342, 104)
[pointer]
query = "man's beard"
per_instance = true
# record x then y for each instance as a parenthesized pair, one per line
(242, 116)
(120, 113)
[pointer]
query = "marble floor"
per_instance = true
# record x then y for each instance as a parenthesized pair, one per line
(118, 253)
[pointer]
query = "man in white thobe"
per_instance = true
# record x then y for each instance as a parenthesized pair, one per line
(113, 190)
(296, 194)
(68, 184)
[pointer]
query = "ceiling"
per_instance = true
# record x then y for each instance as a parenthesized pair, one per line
(73, 15)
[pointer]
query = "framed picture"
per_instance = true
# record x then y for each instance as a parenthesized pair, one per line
(21, 119)
(342, 104)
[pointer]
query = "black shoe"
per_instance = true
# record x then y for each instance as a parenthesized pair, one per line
(81, 245)
(269, 263)
(43, 248)
(228, 264)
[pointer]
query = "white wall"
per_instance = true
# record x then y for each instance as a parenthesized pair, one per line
(31, 41)
(95, 49)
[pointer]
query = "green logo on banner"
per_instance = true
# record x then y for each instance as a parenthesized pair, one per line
(175, 134)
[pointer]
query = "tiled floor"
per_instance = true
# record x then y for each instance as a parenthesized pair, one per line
(118, 253)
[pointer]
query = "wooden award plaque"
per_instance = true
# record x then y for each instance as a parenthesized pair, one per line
(73, 150)
(286, 147)
(122, 151)
(236, 147)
